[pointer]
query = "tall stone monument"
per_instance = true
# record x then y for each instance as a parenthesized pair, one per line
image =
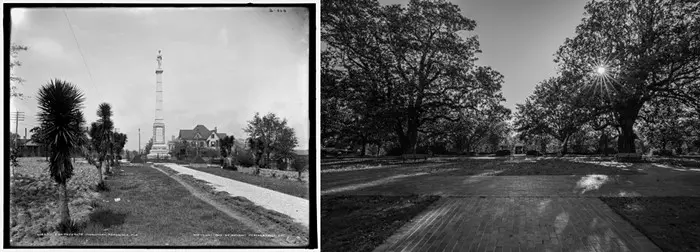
(160, 147)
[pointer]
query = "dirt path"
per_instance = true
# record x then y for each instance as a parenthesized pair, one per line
(294, 207)
(243, 219)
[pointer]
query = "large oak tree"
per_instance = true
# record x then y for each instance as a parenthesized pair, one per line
(650, 47)
(409, 65)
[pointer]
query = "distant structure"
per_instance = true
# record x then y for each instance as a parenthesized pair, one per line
(200, 136)
(160, 148)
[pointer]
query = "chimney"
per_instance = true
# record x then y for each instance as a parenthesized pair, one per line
(25, 133)
(215, 129)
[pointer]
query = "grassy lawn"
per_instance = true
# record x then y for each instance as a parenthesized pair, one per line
(34, 201)
(361, 223)
(291, 187)
(672, 223)
(142, 207)
(147, 207)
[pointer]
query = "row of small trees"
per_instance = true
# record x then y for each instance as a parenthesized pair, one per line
(62, 130)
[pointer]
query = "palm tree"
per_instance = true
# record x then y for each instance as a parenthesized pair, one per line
(61, 120)
(104, 113)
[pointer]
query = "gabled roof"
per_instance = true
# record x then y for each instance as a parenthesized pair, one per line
(186, 134)
(204, 133)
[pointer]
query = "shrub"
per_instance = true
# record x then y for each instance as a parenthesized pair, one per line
(396, 151)
(532, 153)
(663, 153)
(301, 163)
(245, 159)
(137, 160)
(501, 153)
(206, 152)
(198, 160)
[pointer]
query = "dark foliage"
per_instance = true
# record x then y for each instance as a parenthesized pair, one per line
(501, 153)
(533, 153)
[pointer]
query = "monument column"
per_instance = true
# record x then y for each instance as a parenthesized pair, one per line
(159, 148)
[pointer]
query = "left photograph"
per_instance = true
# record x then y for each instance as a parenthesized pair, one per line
(160, 126)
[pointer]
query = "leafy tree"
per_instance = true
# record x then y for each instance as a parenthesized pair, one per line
(409, 65)
(14, 79)
(226, 145)
(61, 127)
(119, 143)
(95, 150)
(271, 138)
(553, 109)
(650, 49)
(149, 145)
(664, 125)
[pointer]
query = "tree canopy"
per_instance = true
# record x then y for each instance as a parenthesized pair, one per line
(406, 66)
(650, 49)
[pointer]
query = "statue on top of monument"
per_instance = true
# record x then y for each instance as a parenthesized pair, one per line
(159, 58)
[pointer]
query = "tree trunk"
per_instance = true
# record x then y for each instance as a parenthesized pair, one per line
(625, 142)
(565, 143)
(99, 169)
(63, 201)
(412, 136)
(364, 147)
(543, 146)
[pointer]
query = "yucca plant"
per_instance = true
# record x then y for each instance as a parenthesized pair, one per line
(61, 120)
(104, 114)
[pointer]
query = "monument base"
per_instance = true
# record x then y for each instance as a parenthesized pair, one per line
(158, 151)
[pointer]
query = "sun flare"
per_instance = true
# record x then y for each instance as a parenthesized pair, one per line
(601, 70)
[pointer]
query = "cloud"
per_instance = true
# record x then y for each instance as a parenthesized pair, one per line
(18, 16)
(47, 47)
(223, 37)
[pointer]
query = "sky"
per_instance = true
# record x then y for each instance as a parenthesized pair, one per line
(518, 38)
(221, 65)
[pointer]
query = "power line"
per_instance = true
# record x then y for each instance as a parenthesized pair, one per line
(92, 81)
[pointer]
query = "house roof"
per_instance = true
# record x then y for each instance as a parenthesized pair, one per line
(201, 129)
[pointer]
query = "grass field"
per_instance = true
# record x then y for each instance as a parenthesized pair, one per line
(672, 223)
(361, 223)
(143, 206)
(34, 201)
(294, 188)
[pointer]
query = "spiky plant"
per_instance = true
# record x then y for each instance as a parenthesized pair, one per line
(104, 113)
(61, 120)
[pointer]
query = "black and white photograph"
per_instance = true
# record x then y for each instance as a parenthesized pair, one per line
(160, 125)
(504, 125)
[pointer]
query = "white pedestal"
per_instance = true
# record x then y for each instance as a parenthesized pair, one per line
(159, 151)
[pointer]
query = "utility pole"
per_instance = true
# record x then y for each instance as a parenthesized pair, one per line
(17, 116)
(139, 141)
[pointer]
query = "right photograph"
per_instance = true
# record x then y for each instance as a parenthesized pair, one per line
(495, 125)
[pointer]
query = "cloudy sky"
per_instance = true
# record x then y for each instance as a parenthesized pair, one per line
(519, 38)
(221, 66)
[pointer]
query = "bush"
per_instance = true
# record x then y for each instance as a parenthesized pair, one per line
(396, 151)
(301, 163)
(198, 160)
(245, 159)
(137, 160)
(501, 153)
(532, 153)
(663, 153)
(206, 152)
